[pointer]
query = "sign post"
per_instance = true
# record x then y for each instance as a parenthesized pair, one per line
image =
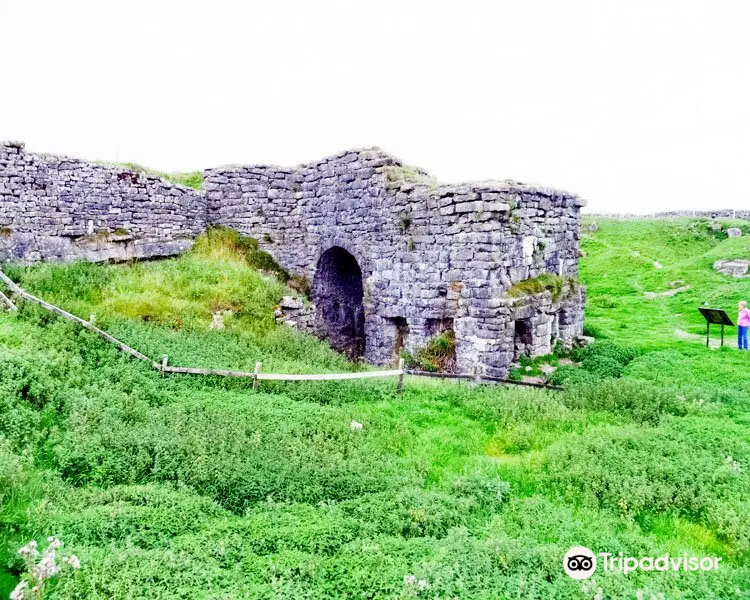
(717, 317)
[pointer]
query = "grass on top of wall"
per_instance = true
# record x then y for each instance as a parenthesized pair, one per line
(193, 179)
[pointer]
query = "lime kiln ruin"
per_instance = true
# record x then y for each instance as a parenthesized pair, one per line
(393, 257)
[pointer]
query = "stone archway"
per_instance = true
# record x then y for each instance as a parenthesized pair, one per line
(337, 292)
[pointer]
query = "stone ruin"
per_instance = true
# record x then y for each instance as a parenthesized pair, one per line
(393, 257)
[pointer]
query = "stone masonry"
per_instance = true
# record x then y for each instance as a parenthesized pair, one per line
(58, 208)
(393, 257)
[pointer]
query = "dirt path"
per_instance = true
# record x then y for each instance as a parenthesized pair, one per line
(672, 292)
(695, 337)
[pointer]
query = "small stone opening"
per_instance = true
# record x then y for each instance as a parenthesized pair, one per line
(523, 338)
(440, 351)
(337, 293)
(435, 326)
(400, 335)
(555, 329)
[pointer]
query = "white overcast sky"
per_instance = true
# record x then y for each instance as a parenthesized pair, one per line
(637, 105)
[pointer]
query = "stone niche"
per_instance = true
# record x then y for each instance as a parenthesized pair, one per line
(337, 292)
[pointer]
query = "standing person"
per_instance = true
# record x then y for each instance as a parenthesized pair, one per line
(743, 322)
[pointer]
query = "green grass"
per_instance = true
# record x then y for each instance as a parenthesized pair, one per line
(197, 487)
(192, 179)
(619, 270)
(546, 282)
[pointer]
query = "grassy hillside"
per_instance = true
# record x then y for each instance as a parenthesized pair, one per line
(185, 487)
(628, 261)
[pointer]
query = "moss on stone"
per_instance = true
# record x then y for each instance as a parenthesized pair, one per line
(398, 174)
(546, 282)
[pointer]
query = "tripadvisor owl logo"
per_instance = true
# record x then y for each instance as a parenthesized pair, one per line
(579, 562)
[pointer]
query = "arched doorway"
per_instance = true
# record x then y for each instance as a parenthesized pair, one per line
(337, 293)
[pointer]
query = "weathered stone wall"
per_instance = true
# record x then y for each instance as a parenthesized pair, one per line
(59, 208)
(432, 256)
(393, 257)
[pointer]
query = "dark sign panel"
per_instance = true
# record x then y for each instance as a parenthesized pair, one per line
(716, 316)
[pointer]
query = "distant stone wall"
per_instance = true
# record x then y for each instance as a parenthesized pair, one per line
(59, 208)
(720, 213)
(432, 256)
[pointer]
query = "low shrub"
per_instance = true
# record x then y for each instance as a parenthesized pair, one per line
(411, 512)
(487, 492)
(681, 467)
(602, 366)
(644, 402)
(623, 355)
(274, 528)
(147, 516)
(301, 284)
(235, 450)
(439, 355)
(660, 366)
(567, 375)
(13, 478)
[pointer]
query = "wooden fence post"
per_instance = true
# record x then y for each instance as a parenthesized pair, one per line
(258, 366)
(400, 386)
(476, 379)
(7, 302)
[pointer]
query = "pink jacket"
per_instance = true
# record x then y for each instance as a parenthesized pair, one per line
(743, 319)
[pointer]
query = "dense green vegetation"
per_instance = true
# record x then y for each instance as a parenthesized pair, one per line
(187, 487)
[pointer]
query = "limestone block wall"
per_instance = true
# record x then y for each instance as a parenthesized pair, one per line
(431, 256)
(393, 256)
(59, 208)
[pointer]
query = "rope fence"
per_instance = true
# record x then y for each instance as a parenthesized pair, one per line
(257, 375)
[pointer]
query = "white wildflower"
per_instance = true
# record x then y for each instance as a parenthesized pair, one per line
(54, 543)
(599, 594)
(47, 567)
(355, 426)
(74, 562)
(18, 593)
(733, 464)
(29, 549)
(529, 369)
(410, 580)
(422, 584)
